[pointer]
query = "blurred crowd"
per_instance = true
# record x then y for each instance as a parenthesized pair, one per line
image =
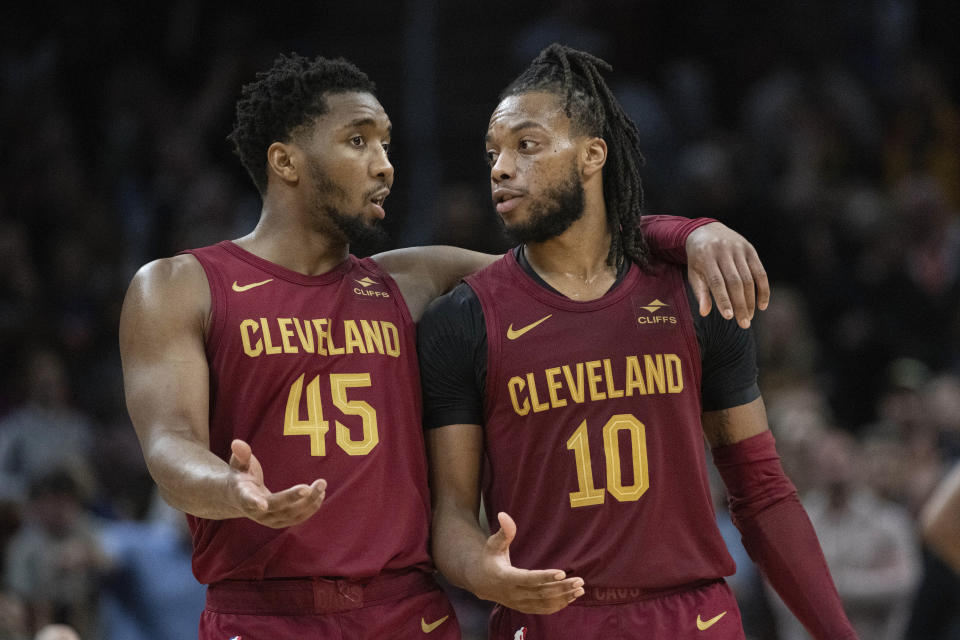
(828, 135)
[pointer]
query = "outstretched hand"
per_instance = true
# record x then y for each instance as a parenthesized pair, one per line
(277, 510)
(721, 262)
(528, 591)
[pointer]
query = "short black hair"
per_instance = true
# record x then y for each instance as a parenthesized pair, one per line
(288, 96)
(595, 111)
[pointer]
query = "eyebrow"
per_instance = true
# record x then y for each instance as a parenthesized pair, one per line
(366, 122)
(526, 124)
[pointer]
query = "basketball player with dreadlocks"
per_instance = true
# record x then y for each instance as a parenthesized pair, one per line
(273, 379)
(571, 384)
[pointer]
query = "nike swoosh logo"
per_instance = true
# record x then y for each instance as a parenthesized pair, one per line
(703, 625)
(240, 288)
(427, 628)
(513, 334)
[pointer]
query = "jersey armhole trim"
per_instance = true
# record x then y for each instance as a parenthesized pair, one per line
(218, 303)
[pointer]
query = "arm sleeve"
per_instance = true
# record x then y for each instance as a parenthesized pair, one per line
(729, 359)
(667, 235)
(778, 535)
(452, 348)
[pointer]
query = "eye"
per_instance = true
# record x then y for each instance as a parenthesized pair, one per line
(526, 145)
(386, 147)
(357, 141)
(491, 157)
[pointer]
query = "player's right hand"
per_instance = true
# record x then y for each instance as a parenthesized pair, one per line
(527, 591)
(277, 510)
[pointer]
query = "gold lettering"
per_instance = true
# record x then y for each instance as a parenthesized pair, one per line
(534, 401)
(593, 379)
(552, 386)
(246, 328)
(514, 386)
(320, 325)
(635, 377)
(305, 335)
(267, 341)
(285, 334)
(332, 348)
(612, 391)
(391, 339)
(576, 388)
(674, 373)
(354, 340)
(655, 372)
(371, 333)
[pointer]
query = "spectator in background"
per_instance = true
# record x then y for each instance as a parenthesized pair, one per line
(54, 562)
(150, 592)
(903, 461)
(869, 544)
(46, 431)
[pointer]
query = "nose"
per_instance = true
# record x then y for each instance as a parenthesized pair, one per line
(503, 169)
(381, 167)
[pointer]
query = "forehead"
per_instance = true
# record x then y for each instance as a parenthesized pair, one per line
(352, 109)
(528, 110)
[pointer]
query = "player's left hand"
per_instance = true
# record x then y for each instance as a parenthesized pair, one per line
(721, 262)
(525, 590)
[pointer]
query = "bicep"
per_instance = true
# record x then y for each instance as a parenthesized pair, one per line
(455, 453)
(729, 426)
(165, 371)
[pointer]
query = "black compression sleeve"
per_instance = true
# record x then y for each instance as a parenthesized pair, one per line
(729, 359)
(452, 346)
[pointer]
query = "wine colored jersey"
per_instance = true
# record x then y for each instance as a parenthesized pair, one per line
(319, 375)
(592, 429)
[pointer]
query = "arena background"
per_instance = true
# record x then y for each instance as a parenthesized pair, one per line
(827, 132)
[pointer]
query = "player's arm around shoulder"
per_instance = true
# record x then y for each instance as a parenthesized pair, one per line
(166, 384)
(423, 273)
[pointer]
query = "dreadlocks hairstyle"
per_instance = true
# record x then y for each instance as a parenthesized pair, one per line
(288, 96)
(595, 111)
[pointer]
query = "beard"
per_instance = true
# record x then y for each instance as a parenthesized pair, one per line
(352, 228)
(553, 214)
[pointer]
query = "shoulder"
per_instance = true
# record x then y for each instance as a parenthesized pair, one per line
(169, 274)
(461, 302)
(168, 286)
(455, 319)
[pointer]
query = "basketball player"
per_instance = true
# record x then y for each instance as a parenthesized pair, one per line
(571, 382)
(276, 373)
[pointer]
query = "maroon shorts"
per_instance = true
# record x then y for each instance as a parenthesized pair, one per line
(408, 605)
(707, 612)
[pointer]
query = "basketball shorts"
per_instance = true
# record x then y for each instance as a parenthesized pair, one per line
(409, 605)
(706, 612)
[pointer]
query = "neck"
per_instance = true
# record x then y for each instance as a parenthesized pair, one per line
(575, 262)
(284, 237)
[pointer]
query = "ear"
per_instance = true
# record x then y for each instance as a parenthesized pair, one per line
(593, 155)
(283, 161)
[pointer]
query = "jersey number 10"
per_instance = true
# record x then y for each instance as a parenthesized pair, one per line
(579, 443)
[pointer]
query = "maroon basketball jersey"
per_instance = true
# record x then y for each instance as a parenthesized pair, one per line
(593, 436)
(319, 374)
